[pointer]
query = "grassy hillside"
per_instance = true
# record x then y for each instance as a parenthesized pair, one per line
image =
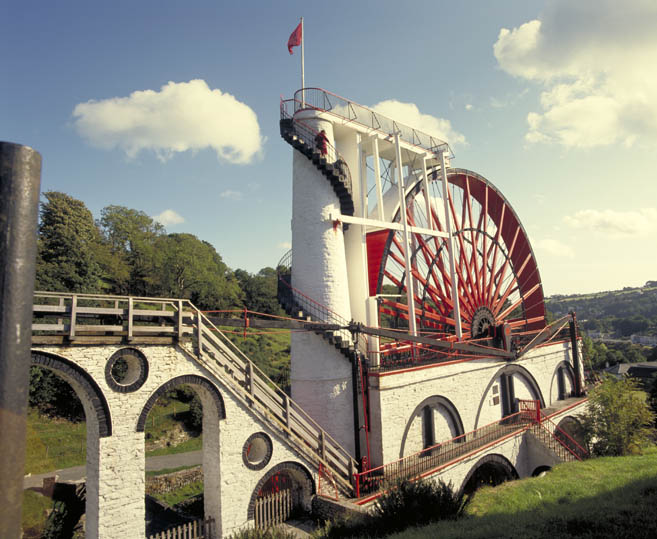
(609, 497)
(621, 312)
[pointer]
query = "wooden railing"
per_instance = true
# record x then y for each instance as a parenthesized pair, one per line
(198, 529)
(70, 318)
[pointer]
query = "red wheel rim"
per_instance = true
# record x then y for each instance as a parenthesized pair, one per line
(498, 278)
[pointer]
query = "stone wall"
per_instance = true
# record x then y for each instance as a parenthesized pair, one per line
(472, 387)
(173, 481)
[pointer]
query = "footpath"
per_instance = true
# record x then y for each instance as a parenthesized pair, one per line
(162, 462)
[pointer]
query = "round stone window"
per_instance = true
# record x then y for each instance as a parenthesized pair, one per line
(257, 451)
(126, 370)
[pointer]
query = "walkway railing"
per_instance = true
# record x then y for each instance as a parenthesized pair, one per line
(69, 318)
(432, 458)
(437, 457)
(320, 99)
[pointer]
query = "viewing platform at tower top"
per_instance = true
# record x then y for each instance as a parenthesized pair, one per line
(351, 115)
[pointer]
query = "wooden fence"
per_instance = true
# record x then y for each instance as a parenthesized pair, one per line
(272, 509)
(198, 529)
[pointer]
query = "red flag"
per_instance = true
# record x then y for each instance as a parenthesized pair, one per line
(295, 39)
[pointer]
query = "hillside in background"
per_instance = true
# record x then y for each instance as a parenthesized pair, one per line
(618, 313)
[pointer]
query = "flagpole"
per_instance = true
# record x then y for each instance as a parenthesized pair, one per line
(303, 84)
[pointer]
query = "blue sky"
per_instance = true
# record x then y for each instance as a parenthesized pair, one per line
(555, 102)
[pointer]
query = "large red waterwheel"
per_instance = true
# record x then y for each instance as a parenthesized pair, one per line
(497, 274)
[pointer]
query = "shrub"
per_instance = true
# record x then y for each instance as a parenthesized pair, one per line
(618, 420)
(416, 503)
(408, 503)
(270, 533)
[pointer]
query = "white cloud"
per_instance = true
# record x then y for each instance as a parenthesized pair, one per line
(616, 224)
(594, 60)
(410, 115)
(181, 116)
(169, 217)
(554, 247)
(231, 195)
(285, 245)
(468, 106)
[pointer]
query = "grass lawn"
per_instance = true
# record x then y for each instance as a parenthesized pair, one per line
(608, 497)
(54, 443)
(35, 511)
(183, 493)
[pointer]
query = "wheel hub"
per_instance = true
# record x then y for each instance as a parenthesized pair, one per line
(483, 318)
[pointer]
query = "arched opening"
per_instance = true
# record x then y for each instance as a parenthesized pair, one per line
(433, 421)
(500, 399)
(541, 471)
(187, 409)
(562, 385)
(491, 470)
(72, 393)
(286, 490)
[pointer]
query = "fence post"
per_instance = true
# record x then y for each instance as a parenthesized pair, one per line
(199, 332)
(74, 313)
(130, 318)
(180, 320)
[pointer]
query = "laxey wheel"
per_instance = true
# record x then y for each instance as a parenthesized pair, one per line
(498, 279)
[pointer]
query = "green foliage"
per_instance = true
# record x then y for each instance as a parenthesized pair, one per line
(603, 498)
(175, 496)
(130, 237)
(416, 503)
(652, 397)
(406, 504)
(600, 354)
(195, 419)
(260, 290)
(620, 313)
(51, 395)
(271, 533)
(190, 268)
(34, 513)
(68, 246)
(53, 443)
(618, 420)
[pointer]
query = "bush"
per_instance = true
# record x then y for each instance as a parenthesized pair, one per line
(271, 533)
(618, 420)
(416, 503)
(408, 503)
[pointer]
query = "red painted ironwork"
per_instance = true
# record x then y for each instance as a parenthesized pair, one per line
(434, 458)
(370, 483)
(495, 266)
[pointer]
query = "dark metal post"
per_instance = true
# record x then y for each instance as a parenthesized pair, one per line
(575, 352)
(20, 177)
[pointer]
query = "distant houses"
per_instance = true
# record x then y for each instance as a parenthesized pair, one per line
(644, 372)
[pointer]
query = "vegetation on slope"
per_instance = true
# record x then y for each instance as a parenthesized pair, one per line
(607, 497)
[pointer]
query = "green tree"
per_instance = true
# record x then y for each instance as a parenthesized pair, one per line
(618, 420)
(68, 246)
(130, 236)
(260, 290)
(187, 267)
